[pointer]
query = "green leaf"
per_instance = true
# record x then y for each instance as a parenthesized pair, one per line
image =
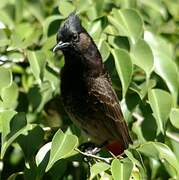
(162, 152)
(61, 148)
(65, 8)
(28, 146)
(121, 169)
(23, 36)
(15, 175)
(104, 49)
(172, 7)
(109, 29)
(98, 168)
(174, 117)
(138, 162)
(4, 41)
(128, 23)
(5, 118)
(15, 57)
(19, 126)
(42, 153)
(124, 67)
(5, 78)
(18, 10)
(161, 103)
(6, 19)
(49, 44)
(36, 9)
(96, 29)
(37, 64)
(142, 56)
(154, 164)
(165, 67)
(9, 96)
(155, 6)
(47, 23)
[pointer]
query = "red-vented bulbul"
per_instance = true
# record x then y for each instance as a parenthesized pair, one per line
(86, 88)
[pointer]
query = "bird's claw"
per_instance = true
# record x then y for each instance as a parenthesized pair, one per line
(89, 148)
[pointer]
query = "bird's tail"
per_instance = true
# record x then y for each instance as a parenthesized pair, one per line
(115, 147)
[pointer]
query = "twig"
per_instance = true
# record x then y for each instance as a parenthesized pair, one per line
(106, 160)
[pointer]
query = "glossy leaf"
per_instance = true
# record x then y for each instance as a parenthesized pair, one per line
(19, 127)
(47, 23)
(164, 65)
(162, 152)
(6, 19)
(61, 148)
(37, 64)
(42, 153)
(104, 49)
(142, 56)
(124, 67)
(65, 8)
(121, 169)
(5, 78)
(98, 168)
(174, 117)
(9, 96)
(161, 103)
(128, 23)
(5, 118)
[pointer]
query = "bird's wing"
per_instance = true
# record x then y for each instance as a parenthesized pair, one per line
(106, 102)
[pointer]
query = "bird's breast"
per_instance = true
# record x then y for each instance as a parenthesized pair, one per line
(73, 91)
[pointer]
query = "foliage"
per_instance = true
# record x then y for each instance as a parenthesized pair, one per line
(138, 41)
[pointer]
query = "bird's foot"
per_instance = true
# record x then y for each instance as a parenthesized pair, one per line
(90, 148)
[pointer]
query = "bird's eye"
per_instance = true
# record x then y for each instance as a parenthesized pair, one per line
(75, 37)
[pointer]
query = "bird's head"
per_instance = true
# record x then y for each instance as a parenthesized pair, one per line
(72, 36)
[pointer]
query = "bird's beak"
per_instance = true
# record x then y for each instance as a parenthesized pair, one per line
(60, 46)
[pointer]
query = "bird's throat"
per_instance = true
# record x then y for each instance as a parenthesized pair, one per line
(89, 59)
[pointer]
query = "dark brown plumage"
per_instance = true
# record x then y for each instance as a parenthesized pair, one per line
(86, 88)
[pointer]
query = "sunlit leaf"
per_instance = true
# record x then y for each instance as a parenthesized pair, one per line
(61, 148)
(6, 19)
(162, 152)
(42, 152)
(174, 117)
(47, 23)
(9, 96)
(124, 67)
(37, 64)
(121, 169)
(97, 168)
(5, 78)
(164, 65)
(18, 10)
(104, 49)
(161, 103)
(5, 118)
(65, 7)
(18, 126)
(142, 56)
(128, 23)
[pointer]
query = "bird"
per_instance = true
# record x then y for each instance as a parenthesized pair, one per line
(86, 89)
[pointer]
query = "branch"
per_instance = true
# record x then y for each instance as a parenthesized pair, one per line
(106, 160)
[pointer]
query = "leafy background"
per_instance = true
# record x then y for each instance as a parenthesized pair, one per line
(139, 43)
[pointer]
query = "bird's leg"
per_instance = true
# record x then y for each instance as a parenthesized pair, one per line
(90, 148)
